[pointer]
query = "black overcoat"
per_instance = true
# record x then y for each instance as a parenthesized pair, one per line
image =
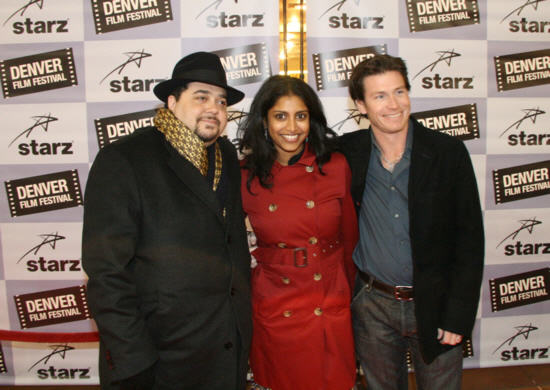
(168, 274)
(446, 230)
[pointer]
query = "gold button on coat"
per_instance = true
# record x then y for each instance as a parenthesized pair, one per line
(281, 245)
(312, 240)
(318, 311)
(309, 168)
(272, 207)
(317, 276)
(310, 204)
(285, 280)
(287, 313)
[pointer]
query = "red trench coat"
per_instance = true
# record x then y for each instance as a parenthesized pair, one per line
(306, 228)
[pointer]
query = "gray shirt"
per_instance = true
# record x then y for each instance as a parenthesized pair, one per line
(384, 248)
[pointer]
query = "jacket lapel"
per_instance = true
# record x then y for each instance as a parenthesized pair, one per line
(360, 162)
(422, 160)
(192, 178)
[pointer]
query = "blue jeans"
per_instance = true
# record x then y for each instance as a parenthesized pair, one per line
(384, 329)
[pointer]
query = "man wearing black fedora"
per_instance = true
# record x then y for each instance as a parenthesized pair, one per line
(164, 243)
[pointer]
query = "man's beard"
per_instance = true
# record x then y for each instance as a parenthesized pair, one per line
(205, 134)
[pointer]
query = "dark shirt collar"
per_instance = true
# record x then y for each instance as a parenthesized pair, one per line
(294, 159)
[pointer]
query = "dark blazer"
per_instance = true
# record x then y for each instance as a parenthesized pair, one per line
(168, 275)
(446, 230)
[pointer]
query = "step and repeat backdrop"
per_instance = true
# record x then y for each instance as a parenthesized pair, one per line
(479, 71)
(78, 75)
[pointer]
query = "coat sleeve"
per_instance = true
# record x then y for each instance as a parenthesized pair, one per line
(110, 233)
(467, 268)
(350, 233)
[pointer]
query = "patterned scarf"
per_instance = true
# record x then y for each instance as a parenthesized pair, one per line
(187, 143)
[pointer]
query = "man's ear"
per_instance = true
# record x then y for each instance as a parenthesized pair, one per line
(361, 106)
(171, 102)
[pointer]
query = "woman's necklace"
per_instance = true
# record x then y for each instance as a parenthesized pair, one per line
(391, 164)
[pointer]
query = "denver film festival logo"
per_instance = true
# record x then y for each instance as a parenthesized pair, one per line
(38, 72)
(246, 64)
(38, 194)
(333, 69)
(427, 15)
(509, 351)
(57, 356)
(520, 289)
(112, 128)
(52, 307)
(3, 367)
(519, 246)
(521, 182)
(522, 70)
(114, 15)
(518, 134)
(458, 121)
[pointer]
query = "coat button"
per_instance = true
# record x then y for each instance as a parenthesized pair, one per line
(285, 280)
(232, 292)
(228, 345)
(317, 276)
(281, 245)
(310, 204)
(309, 168)
(272, 207)
(312, 240)
(318, 311)
(287, 313)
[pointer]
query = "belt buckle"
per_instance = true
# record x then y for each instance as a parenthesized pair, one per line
(398, 290)
(296, 250)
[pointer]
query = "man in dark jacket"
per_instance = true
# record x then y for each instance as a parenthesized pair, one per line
(164, 243)
(421, 246)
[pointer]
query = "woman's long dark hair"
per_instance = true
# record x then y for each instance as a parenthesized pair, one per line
(258, 147)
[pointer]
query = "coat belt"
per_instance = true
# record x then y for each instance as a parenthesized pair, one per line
(298, 256)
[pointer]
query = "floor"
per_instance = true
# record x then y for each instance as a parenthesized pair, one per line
(534, 377)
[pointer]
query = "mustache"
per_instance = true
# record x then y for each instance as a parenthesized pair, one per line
(209, 118)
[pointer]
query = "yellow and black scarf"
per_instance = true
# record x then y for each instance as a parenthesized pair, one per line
(187, 143)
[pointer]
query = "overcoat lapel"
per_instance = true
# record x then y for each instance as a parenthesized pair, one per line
(194, 180)
(233, 179)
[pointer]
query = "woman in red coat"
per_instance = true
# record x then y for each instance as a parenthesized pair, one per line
(295, 191)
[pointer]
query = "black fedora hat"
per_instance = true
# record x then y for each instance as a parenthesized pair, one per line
(200, 66)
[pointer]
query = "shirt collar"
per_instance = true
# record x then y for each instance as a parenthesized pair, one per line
(408, 142)
(306, 157)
